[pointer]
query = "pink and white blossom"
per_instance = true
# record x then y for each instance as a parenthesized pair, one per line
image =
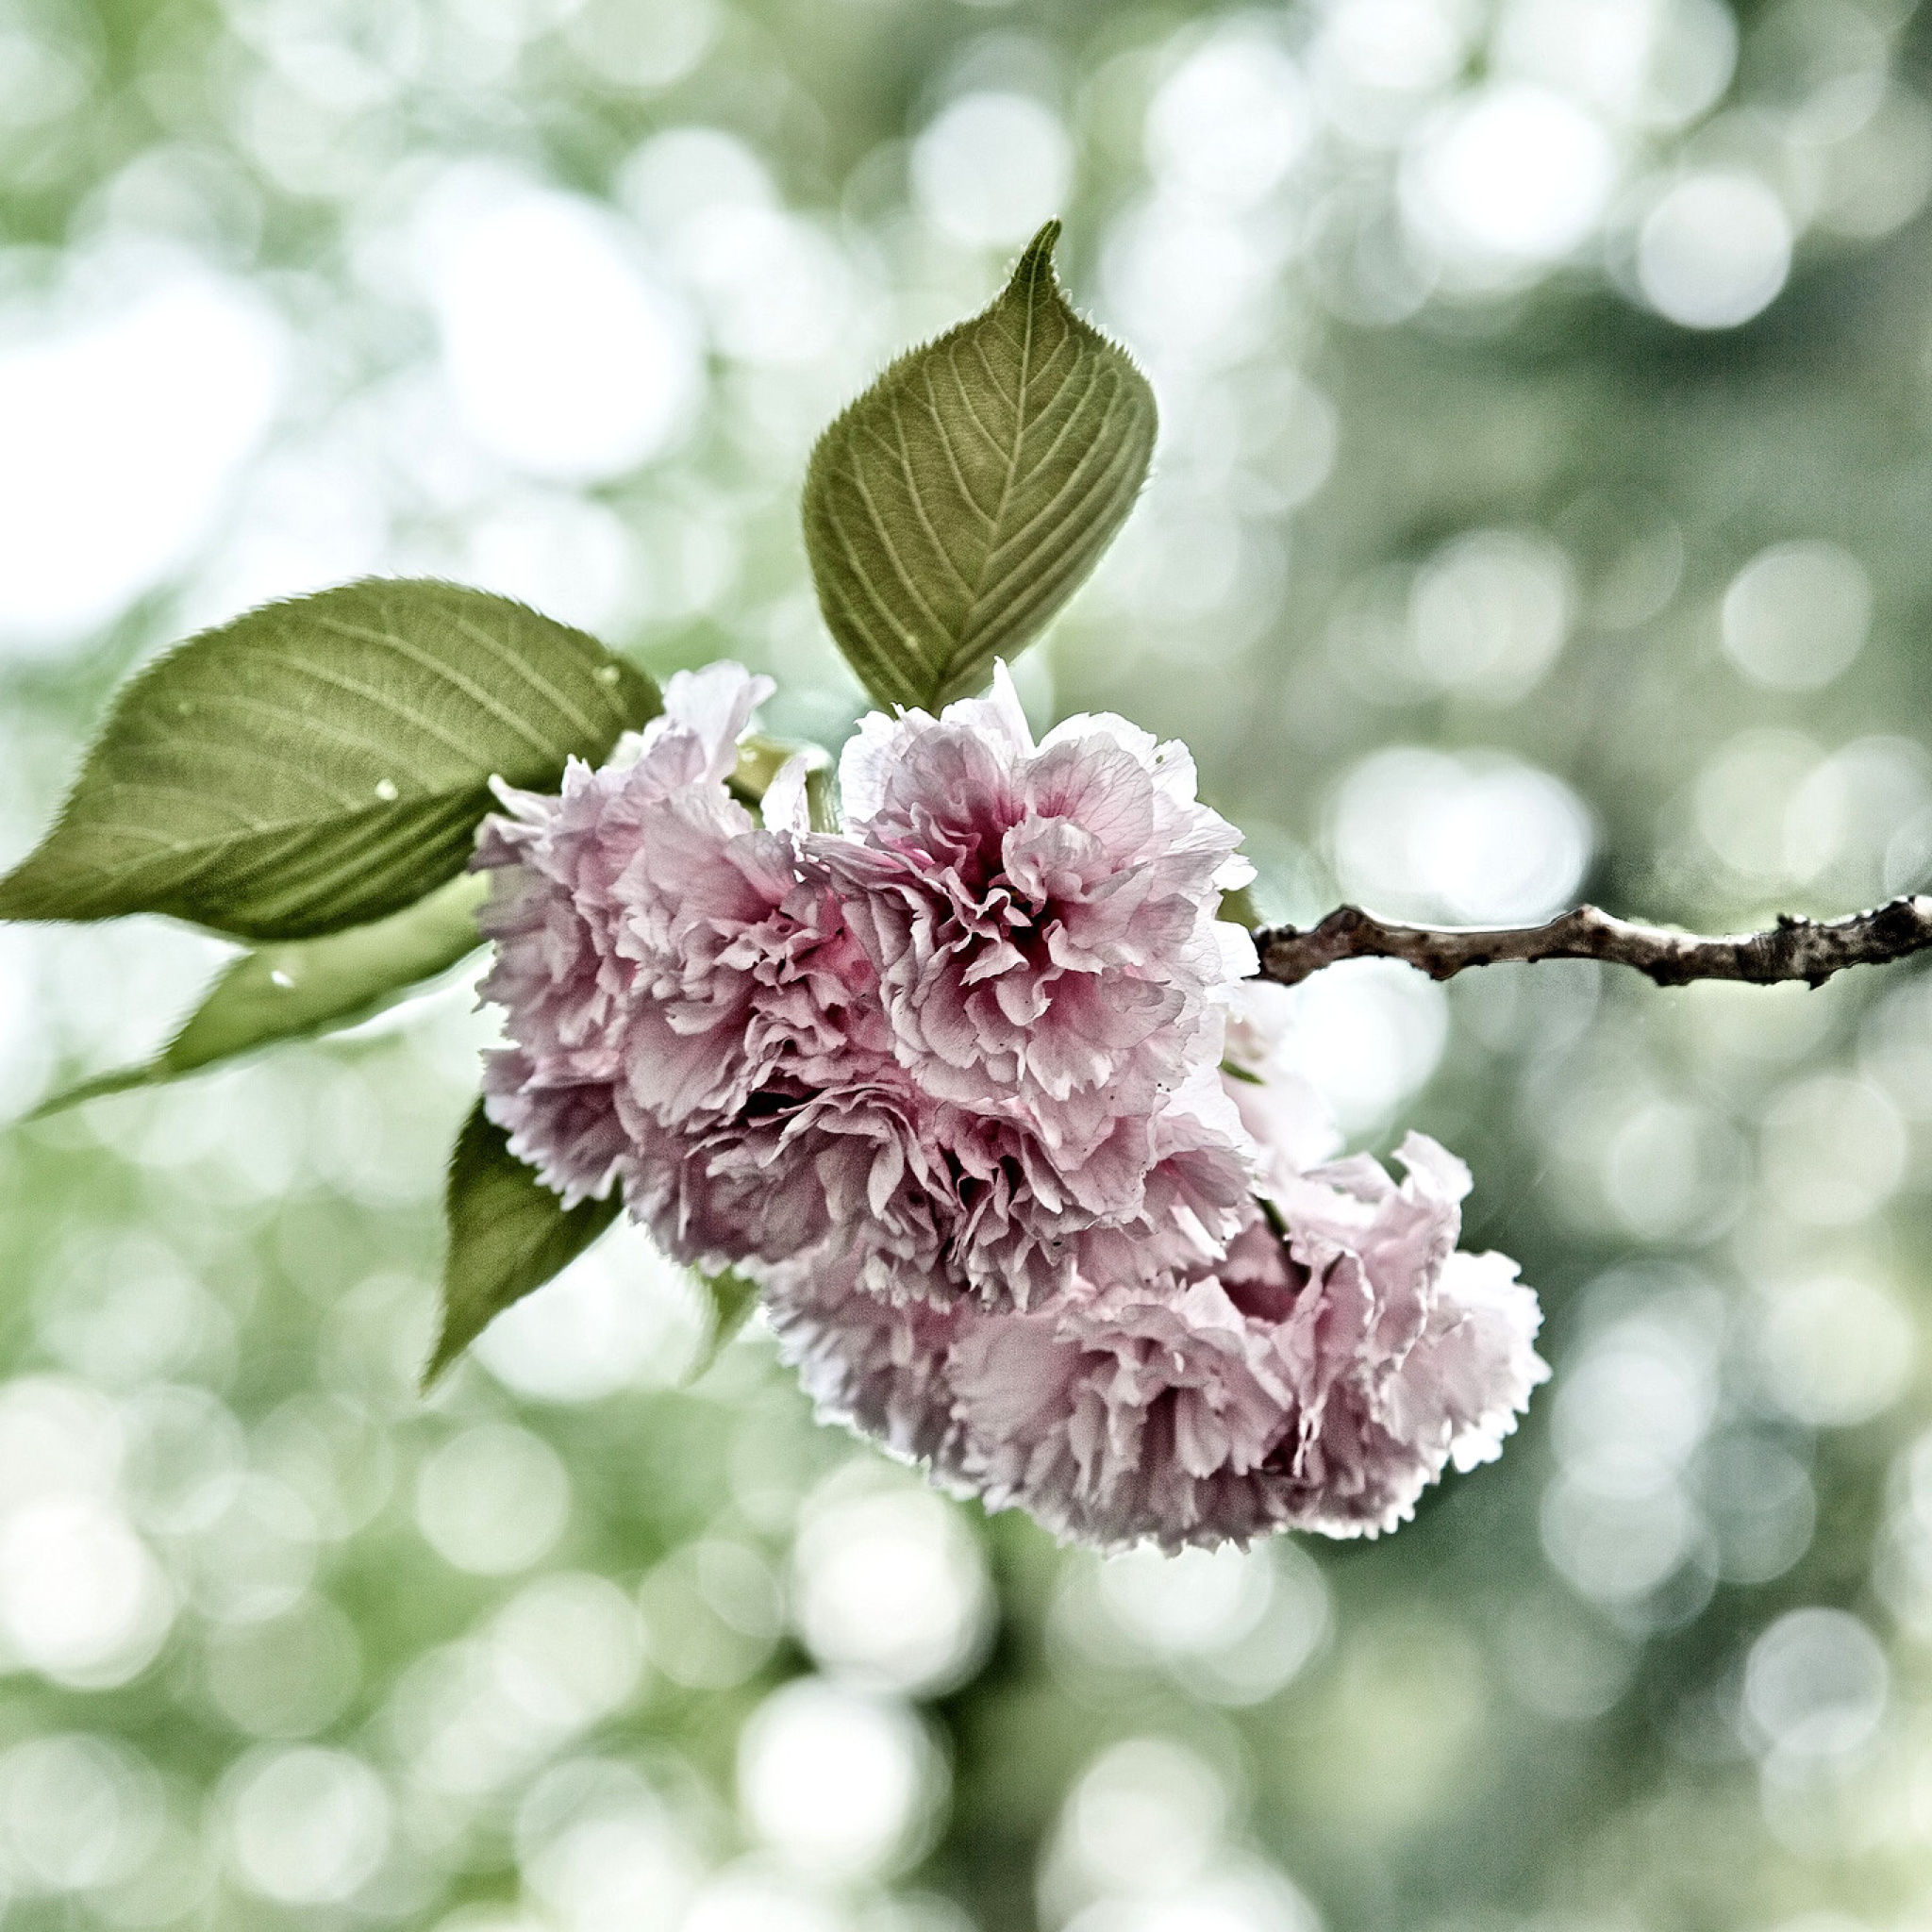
(977, 1091)
(1319, 1377)
(1291, 1125)
(1043, 919)
(658, 955)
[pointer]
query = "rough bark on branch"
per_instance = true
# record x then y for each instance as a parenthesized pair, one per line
(1795, 948)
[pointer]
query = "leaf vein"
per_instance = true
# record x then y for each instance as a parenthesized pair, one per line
(428, 662)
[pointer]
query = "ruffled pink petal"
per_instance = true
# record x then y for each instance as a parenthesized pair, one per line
(1042, 922)
(976, 1090)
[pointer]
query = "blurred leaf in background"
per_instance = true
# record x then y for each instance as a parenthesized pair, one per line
(1539, 508)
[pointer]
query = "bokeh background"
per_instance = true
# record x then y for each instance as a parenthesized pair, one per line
(1542, 508)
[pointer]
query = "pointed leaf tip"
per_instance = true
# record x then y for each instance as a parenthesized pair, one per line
(953, 508)
(1038, 252)
(728, 1300)
(508, 1235)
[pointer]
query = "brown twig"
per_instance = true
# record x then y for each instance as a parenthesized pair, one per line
(1795, 948)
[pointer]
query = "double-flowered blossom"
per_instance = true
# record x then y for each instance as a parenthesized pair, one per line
(683, 1008)
(1042, 926)
(980, 1092)
(1335, 1358)
(1043, 919)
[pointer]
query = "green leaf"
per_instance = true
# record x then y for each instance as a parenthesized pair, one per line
(305, 987)
(508, 1234)
(321, 763)
(958, 503)
(1237, 907)
(761, 759)
(728, 1300)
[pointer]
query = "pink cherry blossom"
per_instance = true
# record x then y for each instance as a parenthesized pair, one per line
(1043, 919)
(874, 1363)
(976, 1090)
(675, 992)
(1403, 1354)
(1315, 1361)
(556, 863)
(1318, 1380)
(1289, 1122)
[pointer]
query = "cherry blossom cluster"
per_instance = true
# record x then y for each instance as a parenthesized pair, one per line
(980, 1092)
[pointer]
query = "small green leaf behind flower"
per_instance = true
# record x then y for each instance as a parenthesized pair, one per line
(955, 507)
(1239, 909)
(508, 1235)
(321, 763)
(728, 1300)
(760, 758)
(292, 992)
